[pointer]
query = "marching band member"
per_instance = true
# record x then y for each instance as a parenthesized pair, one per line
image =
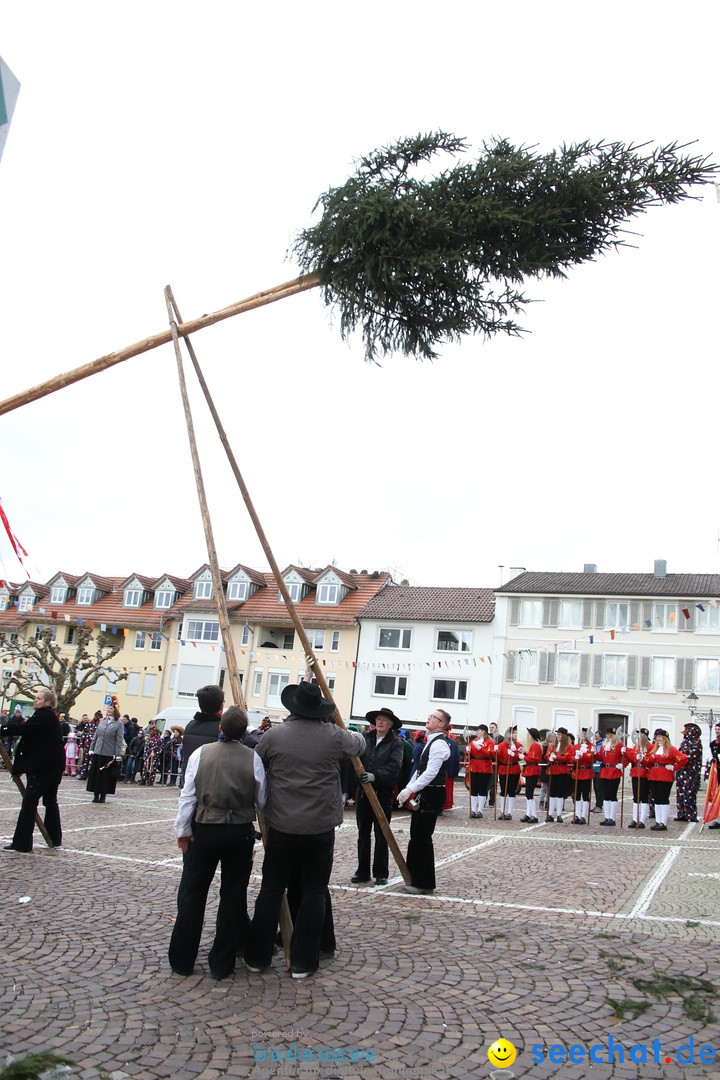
(661, 760)
(611, 771)
(480, 767)
(509, 753)
(582, 776)
(639, 777)
(559, 760)
(531, 773)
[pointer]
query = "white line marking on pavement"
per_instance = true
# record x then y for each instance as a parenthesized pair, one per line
(117, 858)
(549, 910)
(646, 896)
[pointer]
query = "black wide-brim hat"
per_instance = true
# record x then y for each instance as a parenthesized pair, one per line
(304, 699)
(372, 716)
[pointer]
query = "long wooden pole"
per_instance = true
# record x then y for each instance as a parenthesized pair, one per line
(21, 788)
(67, 378)
(292, 610)
(230, 657)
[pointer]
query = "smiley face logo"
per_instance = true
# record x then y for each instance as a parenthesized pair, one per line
(502, 1053)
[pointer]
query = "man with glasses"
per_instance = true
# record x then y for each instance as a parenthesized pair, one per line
(428, 784)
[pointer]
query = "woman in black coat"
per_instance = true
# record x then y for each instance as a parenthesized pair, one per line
(41, 756)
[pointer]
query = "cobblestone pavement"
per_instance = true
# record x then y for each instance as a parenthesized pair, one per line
(538, 934)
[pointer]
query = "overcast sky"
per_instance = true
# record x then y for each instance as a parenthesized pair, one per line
(186, 144)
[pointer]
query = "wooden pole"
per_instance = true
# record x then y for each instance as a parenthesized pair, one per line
(21, 788)
(292, 610)
(231, 659)
(67, 378)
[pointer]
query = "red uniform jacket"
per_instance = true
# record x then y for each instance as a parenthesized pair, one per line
(637, 769)
(582, 766)
(482, 755)
(533, 757)
(611, 762)
(563, 762)
(656, 763)
(507, 764)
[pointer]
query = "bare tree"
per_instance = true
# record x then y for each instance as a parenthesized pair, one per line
(44, 665)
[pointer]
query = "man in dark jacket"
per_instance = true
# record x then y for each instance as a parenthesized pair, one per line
(41, 756)
(382, 760)
(205, 725)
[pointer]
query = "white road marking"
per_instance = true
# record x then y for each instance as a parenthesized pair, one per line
(647, 895)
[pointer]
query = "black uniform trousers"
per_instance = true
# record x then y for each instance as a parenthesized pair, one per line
(38, 786)
(421, 853)
(232, 847)
(366, 824)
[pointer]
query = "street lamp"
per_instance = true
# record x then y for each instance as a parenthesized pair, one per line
(692, 701)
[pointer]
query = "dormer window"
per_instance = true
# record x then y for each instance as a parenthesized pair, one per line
(203, 590)
(132, 598)
(85, 595)
(328, 593)
(4, 603)
(26, 602)
(294, 588)
(238, 590)
(164, 599)
(58, 594)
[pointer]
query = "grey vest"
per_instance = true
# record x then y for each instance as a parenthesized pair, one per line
(225, 785)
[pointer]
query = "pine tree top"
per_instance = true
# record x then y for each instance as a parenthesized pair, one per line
(418, 262)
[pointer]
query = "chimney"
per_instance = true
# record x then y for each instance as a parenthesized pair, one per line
(660, 568)
(590, 568)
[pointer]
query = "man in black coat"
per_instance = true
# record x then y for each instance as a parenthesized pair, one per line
(382, 759)
(41, 756)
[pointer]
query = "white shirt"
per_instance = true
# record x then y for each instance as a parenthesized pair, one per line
(188, 799)
(438, 753)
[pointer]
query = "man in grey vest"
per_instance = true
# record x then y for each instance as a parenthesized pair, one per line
(224, 782)
(427, 782)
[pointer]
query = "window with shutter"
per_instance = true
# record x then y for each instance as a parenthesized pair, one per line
(510, 671)
(514, 611)
(584, 669)
(631, 672)
(597, 671)
(599, 614)
(645, 673)
(587, 614)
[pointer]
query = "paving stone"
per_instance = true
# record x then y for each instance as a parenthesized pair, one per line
(530, 931)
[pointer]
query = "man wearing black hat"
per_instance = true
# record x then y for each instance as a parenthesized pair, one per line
(302, 758)
(382, 760)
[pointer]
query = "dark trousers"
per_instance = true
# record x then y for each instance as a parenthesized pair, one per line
(609, 789)
(639, 789)
(421, 853)
(38, 786)
(660, 791)
(480, 782)
(286, 856)
(232, 847)
(366, 823)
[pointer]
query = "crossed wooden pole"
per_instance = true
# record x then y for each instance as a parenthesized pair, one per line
(177, 330)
